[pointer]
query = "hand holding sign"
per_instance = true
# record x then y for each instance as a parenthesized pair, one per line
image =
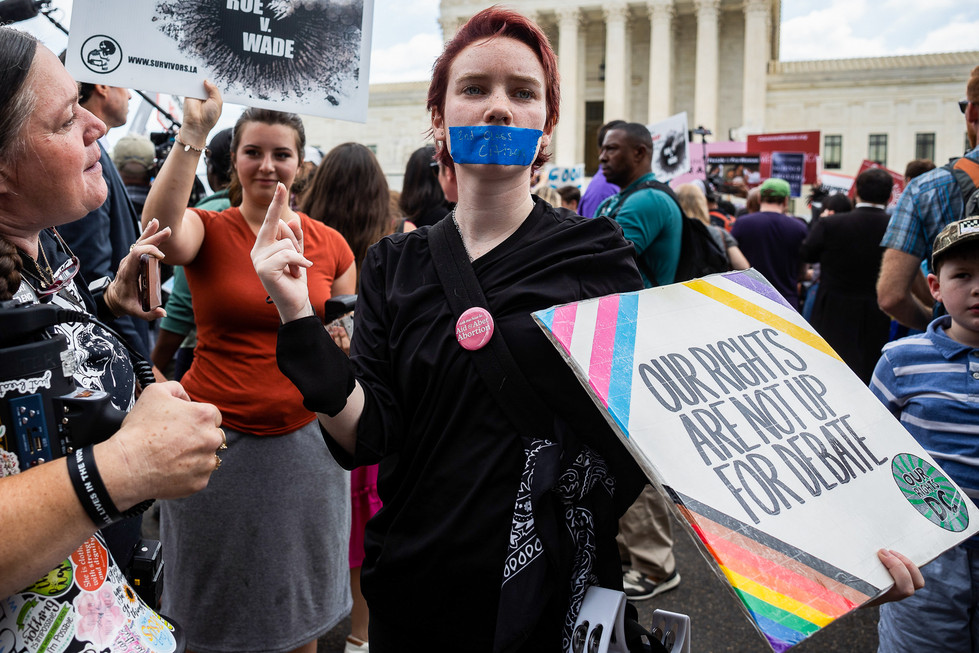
(279, 261)
(200, 116)
(907, 577)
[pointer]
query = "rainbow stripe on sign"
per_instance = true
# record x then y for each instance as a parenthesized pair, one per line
(789, 593)
(613, 347)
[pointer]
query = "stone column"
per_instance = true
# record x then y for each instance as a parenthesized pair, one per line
(450, 25)
(757, 51)
(661, 14)
(705, 89)
(582, 77)
(569, 19)
(615, 62)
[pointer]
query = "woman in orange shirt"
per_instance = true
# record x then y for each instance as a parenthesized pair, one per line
(258, 562)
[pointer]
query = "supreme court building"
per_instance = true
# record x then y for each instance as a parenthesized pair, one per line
(717, 60)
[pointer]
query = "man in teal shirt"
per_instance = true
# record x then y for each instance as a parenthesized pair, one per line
(652, 221)
(649, 217)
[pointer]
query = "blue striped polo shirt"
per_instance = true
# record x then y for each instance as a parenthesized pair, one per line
(931, 384)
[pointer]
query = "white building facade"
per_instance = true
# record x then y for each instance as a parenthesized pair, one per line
(717, 60)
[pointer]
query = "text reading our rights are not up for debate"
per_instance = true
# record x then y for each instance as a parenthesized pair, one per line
(760, 419)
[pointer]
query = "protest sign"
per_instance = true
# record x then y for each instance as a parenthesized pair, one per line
(559, 176)
(670, 148)
(733, 174)
(729, 165)
(305, 56)
(789, 166)
(806, 142)
(790, 473)
(896, 189)
(835, 182)
(697, 151)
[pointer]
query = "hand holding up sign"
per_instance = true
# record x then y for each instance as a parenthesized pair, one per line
(279, 261)
(200, 116)
(907, 577)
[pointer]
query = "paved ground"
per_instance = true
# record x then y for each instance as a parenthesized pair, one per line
(717, 623)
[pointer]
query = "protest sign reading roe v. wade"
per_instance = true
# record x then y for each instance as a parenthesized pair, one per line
(785, 466)
(305, 56)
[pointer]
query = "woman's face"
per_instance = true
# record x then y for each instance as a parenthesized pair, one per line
(497, 81)
(265, 156)
(57, 178)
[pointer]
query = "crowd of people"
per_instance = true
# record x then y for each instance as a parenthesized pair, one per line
(309, 468)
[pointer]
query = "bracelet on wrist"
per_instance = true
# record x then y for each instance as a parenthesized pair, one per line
(188, 147)
(88, 485)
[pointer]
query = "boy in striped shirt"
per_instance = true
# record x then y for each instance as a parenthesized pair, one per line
(930, 382)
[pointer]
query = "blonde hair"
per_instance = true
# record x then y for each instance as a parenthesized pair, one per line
(549, 195)
(694, 202)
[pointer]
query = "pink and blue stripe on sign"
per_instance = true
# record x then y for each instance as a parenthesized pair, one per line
(562, 323)
(613, 347)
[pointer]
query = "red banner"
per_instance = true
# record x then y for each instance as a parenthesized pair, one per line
(805, 142)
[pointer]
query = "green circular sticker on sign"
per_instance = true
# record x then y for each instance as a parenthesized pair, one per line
(930, 492)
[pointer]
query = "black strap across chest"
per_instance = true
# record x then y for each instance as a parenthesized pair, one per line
(494, 362)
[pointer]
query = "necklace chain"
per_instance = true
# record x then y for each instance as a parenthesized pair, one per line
(47, 264)
(46, 275)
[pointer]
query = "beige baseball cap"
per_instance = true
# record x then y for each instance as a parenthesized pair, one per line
(953, 235)
(133, 147)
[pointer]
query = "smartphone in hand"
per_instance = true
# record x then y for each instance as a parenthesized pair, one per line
(339, 310)
(150, 293)
(337, 306)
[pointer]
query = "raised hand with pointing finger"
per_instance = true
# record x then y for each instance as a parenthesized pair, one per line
(278, 259)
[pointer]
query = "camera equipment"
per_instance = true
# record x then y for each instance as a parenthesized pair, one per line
(43, 414)
(338, 306)
(607, 623)
(145, 571)
(13, 11)
(163, 143)
(703, 132)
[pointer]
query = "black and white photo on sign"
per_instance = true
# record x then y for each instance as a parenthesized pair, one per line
(670, 156)
(306, 56)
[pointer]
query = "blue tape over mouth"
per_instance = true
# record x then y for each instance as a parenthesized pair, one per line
(494, 144)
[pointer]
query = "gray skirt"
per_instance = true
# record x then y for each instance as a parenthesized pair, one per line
(258, 560)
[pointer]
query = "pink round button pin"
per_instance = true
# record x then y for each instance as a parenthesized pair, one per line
(474, 328)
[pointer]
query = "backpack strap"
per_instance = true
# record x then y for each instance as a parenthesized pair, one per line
(649, 183)
(655, 185)
(970, 167)
(966, 173)
(494, 363)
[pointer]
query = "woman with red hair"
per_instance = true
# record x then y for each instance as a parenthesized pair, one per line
(454, 554)
(490, 531)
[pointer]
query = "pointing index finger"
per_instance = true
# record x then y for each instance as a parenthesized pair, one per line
(269, 230)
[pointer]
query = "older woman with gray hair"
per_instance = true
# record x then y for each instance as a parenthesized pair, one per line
(166, 446)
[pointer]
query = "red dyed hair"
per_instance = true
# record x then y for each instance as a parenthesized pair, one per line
(490, 23)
